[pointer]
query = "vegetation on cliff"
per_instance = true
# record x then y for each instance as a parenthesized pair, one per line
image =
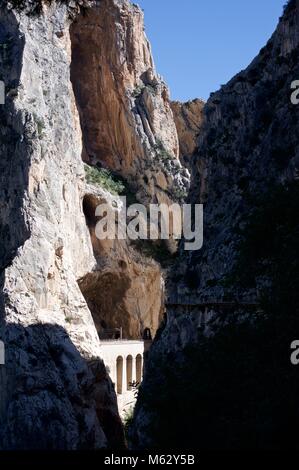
(105, 179)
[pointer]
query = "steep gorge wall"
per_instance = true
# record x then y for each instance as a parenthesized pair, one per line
(248, 146)
(188, 118)
(55, 391)
(80, 85)
(124, 105)
(219, 367)
(128, 128)
(126, 288)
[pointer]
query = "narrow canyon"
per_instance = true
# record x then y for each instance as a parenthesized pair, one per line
(88, 325)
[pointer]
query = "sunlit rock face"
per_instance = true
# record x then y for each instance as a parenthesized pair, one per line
(188, 118)
(124, 106)
(248, 147)
(128, 128)
(81, 85)
(126, 288)
(55, 392)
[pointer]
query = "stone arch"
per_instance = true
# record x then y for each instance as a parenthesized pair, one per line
(138, 368)
(90, 203)
(119, 374)
(129, 364)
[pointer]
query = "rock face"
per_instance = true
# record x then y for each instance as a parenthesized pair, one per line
(128, 127)
(247, 146)
(80, 84)
(125, 289)
(188, 118)
(55, 392)
(124, 105)
(211, 368)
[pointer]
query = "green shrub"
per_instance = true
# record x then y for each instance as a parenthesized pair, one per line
(162, 153)
(178, 193)
(137, 91)
(128, 421)
(39, 124)
(105, 179)
(152, 89)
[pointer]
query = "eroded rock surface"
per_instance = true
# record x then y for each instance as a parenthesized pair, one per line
(55, 392)
(124, 104)
(81, 84)
(188, 118)
(125, 289)
(211, 373)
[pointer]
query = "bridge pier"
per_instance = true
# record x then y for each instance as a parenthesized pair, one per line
(134, 370)
(124, 360)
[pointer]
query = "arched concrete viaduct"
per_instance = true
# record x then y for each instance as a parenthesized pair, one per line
(124, 360)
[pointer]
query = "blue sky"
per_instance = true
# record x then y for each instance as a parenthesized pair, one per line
(200, 44)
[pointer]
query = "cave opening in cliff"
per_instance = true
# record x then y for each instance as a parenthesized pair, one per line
(89, 82)
(123, 291)
(102, 288)
(119, 290)
(90, 203)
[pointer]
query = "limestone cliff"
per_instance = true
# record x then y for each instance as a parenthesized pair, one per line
(125, 289)
(127, 127)
(188, 118)
(247, 147)
(55, 392)
(124, 105)
(219, 367)
(80, 86)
